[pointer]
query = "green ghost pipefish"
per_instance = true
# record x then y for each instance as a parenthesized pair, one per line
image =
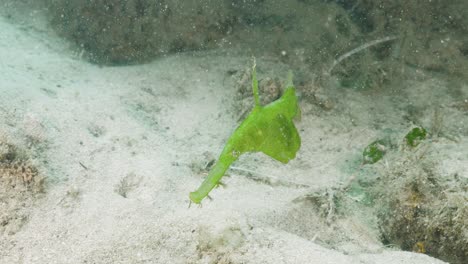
(268, 129)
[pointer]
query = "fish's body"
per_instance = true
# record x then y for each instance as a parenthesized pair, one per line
(269, 129)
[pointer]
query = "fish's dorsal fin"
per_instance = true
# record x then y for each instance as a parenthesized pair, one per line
(255, 84)
(289, 80)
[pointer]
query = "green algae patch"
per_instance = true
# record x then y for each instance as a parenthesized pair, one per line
(415, 136)
(374, 152)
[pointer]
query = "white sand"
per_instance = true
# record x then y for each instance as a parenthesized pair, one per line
(153, 120)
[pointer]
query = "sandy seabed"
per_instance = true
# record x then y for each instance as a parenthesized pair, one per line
(118, 145)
